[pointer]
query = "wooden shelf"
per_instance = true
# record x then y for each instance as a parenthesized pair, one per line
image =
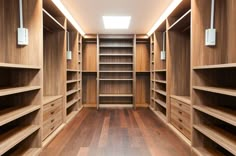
(224, 114)
(160, 70)
(15, 136)
(84, 71)
(206, 151)
(69, 104)
(118, 63)
(115, 71)
(116, 95)
(50, 22)
(160, 92)
(115, 54)
(220, 136)
(48, 99)
(217, 66)
(14, 113)
(218, 90)
(116, 46)
(16, 90)
(71, 116)
(161, 81)
(185, 99)
(71, 92)
(71, 81)
(19, 66)
(182, 22)
(161, 103)
(72, 70)
(159, 114)
(116, 79)
(27, 152)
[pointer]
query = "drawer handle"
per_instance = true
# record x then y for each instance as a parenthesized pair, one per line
(180, 112)
(52, 112)
(180, 120)
(180, 128)
(52, 128)
(52, 104)
(52, 120)
(180, 104)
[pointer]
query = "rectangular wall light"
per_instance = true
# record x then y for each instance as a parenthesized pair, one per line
(116, 22)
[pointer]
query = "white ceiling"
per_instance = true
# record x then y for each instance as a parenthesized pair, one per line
(88, 14)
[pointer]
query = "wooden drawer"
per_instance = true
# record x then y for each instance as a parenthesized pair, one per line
(182, 106)
(51, 124)
(51, 109)
(180, 126)
(182, 116)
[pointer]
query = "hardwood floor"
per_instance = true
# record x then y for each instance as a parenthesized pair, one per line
(116, 132)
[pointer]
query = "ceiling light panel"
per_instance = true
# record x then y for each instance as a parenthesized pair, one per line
(116, 22)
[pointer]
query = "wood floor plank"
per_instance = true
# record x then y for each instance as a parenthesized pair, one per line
(116, 132)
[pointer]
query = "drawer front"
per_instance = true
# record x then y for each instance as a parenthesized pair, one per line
(182, 116)
(182, 106)
(51, 124)
(180, 127)
(51, 109)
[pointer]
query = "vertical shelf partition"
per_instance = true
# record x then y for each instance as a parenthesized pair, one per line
(116, 72)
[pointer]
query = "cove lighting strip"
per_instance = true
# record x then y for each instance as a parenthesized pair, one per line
(163, 17)
(62, 8)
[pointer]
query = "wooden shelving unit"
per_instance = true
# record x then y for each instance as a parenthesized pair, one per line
(21, 89)
(89, 69)
(73, 72)
(178, 43)
(159, 74)
(213, 84)
(120, 87)
(142, 70)
(54, 66)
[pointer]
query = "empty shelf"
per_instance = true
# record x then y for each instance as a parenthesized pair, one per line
(15, 136)
(72, 70)
(160, 70)
(159, 114)
(182, 22)
(224, 114)
(115, 71)
(116, 46)
(71, 116)
(206, 151)
(161, 81)
(218, 90)
(116, 79)
(14, 113)
(50, 22)
(116, 54)
(161, 103)
(217, 66)
(69, 104)
(15, 90)
(185, 99)
(20, 66)
(71, 81)
(48, 99)
(116, 95)
(71, 92)
(220, 136)
(160, 92)
(114, 63)
(27, 151)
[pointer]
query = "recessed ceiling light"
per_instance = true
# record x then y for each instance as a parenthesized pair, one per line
(116, 22)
